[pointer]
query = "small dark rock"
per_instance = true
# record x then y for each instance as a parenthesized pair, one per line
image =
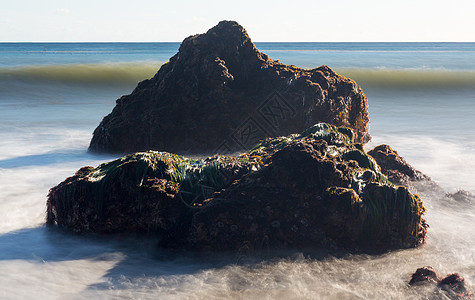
(424, 275)
(453, 285)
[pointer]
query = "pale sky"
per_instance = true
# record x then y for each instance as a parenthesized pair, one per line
(265, 20)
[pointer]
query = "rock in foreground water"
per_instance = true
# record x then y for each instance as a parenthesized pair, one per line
(220, 94)
(451, 286)
(310, 190)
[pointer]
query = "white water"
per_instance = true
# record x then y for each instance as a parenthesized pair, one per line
(44, 133)
(43, 263)
(46, 264)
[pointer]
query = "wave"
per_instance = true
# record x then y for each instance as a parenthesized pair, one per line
(108, 73)
(364, 51)
(411, 78)
(131, 73)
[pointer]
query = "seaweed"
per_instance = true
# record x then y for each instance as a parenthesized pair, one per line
(91, 187)
(201, 182)
(339, 136)
(392, 214)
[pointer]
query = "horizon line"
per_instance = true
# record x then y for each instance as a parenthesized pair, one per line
(91, 42)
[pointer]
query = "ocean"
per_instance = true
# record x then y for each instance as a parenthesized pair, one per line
(53, 95)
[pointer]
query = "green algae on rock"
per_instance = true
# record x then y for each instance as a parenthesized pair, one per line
(145, 191)
(314, 189)
(133, 193)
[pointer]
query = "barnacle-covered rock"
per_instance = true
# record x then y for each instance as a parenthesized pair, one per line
(314, 189)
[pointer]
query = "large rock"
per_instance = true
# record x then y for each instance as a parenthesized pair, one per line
(315, 189)
(220, 94)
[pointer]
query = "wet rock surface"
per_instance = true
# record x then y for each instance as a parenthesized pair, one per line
(314, 189)
(451, 286)
(220, 94)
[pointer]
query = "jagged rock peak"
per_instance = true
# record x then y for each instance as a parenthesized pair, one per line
(226, 35)
(227, 41)
(229, 31)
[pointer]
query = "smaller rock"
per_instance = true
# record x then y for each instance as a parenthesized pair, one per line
(453, 285)
(395, 167)
(425, 274)
(462, 196)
